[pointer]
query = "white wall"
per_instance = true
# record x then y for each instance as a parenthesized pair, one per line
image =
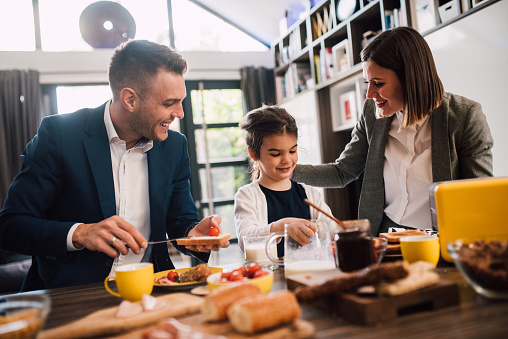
(79, 67)
(472, 60)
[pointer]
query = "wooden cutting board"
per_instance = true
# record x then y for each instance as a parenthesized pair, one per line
(104, 322)
(299, 329)
(371, 309)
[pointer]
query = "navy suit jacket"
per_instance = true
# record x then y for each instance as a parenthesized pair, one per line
(66, 177)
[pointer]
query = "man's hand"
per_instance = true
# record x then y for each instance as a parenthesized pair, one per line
(201, 230)
(111, 236)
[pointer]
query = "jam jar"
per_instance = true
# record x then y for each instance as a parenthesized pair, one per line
(354, 249)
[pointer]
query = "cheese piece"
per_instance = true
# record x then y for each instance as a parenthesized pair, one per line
(128, 309)
(150, 303)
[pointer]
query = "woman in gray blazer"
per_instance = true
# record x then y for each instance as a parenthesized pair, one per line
(411, 133)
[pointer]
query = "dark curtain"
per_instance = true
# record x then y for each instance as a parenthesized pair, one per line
(20, 116)
(258, 87)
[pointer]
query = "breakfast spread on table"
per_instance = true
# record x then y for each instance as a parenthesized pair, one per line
(237, 307)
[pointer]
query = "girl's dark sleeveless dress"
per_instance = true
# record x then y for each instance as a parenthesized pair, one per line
(284, 204)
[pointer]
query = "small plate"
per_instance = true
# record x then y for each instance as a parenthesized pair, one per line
(200, 290)
(182, 286)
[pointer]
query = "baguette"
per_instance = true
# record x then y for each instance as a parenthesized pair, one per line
(253, 314)
(216, 304)
(353, 281)
(209, 240)
(394, 237)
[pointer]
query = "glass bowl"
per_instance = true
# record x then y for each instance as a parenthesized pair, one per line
(483, 263)
(380, 245)
(22, 315)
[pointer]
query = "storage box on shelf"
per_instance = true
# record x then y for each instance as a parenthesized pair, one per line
(448, 10)
(346, 101)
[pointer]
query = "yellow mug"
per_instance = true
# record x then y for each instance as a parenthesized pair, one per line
(132, 281)
(420, 248)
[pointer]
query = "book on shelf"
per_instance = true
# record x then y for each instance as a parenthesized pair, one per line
(393, 18)
(321, 24)
(280, 91)
(317, 66)
(294, 80)
(327, 64)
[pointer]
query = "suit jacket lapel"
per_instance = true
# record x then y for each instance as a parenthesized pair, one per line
(373, 183)
(97, 150)
(441, 163)
(158, 180)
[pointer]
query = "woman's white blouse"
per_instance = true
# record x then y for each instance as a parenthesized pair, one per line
(408, 173)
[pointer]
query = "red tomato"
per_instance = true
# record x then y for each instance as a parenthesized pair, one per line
(214, 231)
(225, 275)
(236, 276)
(241, 269)
(259, 273)
(173, 276)
(254, 267)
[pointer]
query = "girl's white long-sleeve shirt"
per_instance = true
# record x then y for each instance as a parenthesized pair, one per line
(251, 210)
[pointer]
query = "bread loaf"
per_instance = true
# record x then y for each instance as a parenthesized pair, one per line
(216, 304)
(254, 314)
(204, 241)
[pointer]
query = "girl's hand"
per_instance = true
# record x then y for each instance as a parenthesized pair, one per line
(301, 230)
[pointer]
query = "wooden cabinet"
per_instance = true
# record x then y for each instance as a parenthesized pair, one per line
(321, 53)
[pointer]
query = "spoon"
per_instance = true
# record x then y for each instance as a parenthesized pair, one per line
(340, 223)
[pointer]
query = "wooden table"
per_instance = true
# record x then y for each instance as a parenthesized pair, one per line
(474, 317)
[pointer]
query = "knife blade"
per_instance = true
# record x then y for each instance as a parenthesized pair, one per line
(169, 240)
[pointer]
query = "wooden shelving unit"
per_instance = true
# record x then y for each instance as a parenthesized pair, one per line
(304, 61)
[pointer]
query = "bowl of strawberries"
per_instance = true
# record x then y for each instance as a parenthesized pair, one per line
(248, 274)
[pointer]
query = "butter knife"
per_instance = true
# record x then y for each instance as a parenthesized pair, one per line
(169, 240)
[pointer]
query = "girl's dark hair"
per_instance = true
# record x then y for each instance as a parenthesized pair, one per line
(406, 52)
(135, 63)
(263, 122)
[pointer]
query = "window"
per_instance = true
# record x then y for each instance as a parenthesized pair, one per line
(217, 149)
(17, 26)
(195, 29)
(198, 30)
(61, 99)
(72, 98)
(60, 28)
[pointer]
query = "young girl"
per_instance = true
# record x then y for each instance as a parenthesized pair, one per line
(273, 199)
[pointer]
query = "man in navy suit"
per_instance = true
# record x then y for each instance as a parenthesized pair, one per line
(96, 184)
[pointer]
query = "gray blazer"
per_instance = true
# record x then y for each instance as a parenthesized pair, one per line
(461, 149)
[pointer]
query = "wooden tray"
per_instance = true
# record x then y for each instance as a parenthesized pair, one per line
(299, 329)
(371, 309)
(182, 306)
(104, 323)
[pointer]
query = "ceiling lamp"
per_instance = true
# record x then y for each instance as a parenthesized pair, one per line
(106, 24)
